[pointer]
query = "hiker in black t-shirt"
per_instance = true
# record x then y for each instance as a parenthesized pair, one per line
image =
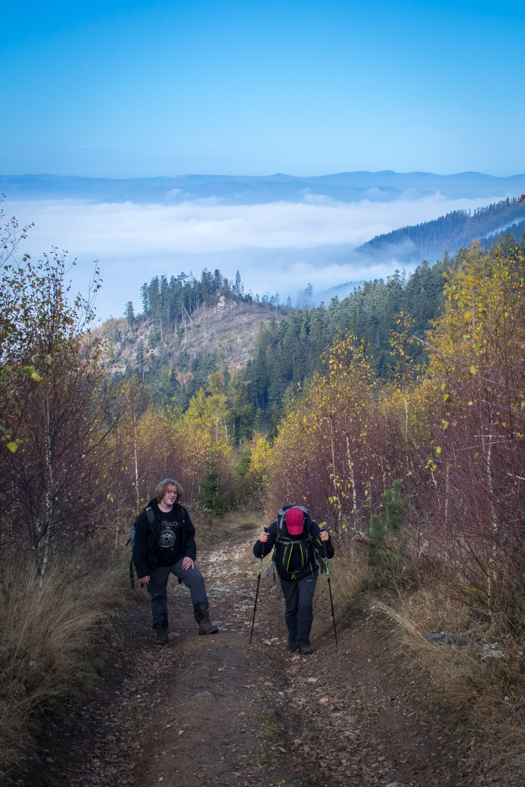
(298, 543)
(164, 543)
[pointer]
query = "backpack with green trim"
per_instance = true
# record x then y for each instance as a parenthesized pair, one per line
(285, 547)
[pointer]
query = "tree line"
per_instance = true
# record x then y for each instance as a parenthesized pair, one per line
(456, 230)
(291, 351)
(171, 302)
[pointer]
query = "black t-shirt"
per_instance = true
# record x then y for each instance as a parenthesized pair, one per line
(169, 546)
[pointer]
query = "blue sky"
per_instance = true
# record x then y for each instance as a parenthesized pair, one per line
(163, 88)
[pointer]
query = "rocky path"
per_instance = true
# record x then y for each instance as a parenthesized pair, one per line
(206, 711)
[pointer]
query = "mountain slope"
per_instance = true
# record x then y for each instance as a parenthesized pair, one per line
(456, 230)
(178, 362)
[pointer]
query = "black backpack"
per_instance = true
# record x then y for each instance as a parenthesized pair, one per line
(282, 541)
(131, 540)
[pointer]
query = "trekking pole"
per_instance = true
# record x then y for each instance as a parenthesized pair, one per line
(330, 589)
(256, 597)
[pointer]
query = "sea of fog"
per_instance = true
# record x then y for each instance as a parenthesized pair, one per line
(278, 247)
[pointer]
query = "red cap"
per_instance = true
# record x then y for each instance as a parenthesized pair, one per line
(294, 519)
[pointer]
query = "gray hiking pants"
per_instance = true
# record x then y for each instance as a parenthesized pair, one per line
(157, 588)
(299, 612)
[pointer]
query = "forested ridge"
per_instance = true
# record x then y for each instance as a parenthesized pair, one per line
(289, 346)
(397, 416)
(163, 345)
(289, 350)
(170, 302)
(431, 239)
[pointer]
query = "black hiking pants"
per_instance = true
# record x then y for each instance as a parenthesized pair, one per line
(299, 612)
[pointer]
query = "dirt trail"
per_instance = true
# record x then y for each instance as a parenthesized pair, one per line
(215, 710)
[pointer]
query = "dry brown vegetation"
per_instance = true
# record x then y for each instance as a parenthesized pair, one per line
(426, 471)
(483, 682)
(230, 329)
(52, 635)
(350, 576)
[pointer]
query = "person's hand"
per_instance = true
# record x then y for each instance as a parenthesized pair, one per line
(324, 535)
(187, 563)
(145, 580)
(263, 538)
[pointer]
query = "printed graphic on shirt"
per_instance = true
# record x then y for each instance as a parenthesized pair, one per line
(167, 535)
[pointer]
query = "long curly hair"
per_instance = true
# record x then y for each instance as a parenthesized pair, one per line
(161, 488)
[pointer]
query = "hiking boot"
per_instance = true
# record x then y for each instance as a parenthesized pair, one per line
(206, 626)
(305, 649)
(291, 647)
(162, 634)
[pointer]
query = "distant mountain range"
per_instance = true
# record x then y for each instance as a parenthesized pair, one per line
(457, 229)
(248, 190)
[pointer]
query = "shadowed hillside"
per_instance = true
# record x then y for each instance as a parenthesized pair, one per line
(431, 239)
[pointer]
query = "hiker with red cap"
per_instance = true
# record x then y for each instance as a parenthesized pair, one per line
(298, 545)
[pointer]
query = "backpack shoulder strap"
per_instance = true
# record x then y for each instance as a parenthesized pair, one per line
(309, 527)
(280, 526)
(150, 515)
(182, 523)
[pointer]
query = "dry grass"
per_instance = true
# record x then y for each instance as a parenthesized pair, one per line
(487, 693)
(51, 638)
(350, 574)
(349, 577)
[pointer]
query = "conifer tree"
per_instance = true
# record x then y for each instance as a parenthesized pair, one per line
(211, 498)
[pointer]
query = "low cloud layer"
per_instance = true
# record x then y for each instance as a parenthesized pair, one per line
(278, 247)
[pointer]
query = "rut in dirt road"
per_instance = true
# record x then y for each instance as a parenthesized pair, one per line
(206, 711)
